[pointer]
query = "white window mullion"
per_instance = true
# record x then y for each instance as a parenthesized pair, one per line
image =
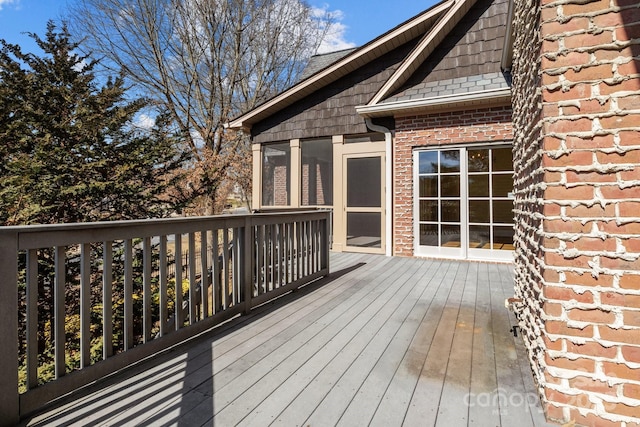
(464, 201)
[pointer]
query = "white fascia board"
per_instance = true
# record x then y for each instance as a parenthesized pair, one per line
(507, 48)
(391, 108)
(426, 46)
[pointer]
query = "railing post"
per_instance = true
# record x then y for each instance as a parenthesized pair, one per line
(9, 397)
(247, 263)
(326, 254)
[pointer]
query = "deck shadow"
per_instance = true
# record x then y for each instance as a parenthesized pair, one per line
(82, 402)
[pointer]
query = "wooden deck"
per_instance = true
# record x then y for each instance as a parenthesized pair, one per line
(382, 342)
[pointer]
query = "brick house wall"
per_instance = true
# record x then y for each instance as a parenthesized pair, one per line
(313, 181)
(305, 182)
(472, 126)
(577, 186)
(529, 182)
(323, 182)
(280, 185)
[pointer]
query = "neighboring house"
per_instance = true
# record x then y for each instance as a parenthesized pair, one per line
(412, 141)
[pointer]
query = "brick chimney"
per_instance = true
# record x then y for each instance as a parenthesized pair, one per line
(576, 99)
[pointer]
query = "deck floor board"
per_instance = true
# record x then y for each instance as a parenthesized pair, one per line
(381, 342)
(358, 329)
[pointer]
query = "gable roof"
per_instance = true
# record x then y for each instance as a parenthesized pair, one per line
(394, 38)
(321, 61)
(426, 46)
(397, 93)
(465, 70)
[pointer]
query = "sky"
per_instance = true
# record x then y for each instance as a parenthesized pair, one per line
(359, 20)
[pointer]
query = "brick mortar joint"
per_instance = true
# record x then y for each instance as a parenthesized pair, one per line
(614, 418)
(604, 169)
(566, 85)
(602, 236)
(596, 168)
(592, 133)
(597, 199)
(573, 304)
(599, 374)
(598, 399)
(564, 3)
(620, 184)
(562, 354)
(573, 253)
(559, 71)
(613, 112)
(597, 130)
(562, 270)
(611, 381)
(595, 270)
(595, 231)
(562, 18)
(613, 46)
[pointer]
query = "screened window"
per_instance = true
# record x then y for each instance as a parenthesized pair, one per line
(317, 172)
(276, 174)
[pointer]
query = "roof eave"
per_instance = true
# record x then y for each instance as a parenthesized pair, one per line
(438, 103)
(359, 57)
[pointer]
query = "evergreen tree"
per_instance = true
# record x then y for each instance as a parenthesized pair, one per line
(69, 147)
(70, 152)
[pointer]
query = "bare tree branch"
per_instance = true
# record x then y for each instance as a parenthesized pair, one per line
(204, 62)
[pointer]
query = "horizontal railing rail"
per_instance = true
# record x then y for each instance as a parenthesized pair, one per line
(81, 301)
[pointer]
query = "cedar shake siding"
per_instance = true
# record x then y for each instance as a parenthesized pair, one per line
(468, 59)
(331, 111)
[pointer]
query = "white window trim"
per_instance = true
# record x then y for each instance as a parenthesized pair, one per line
(464, 252)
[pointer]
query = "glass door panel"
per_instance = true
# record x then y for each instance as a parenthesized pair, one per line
(479, 211)
(479, 237)
(490, 185)
(479, 185)
(439, 204)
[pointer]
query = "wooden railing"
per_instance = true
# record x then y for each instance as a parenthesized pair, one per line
(81, 301)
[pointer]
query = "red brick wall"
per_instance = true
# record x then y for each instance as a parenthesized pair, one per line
(280, 185)
(529, 183)
(472, 126)
(577, 155)
(306, 169)
(315, 194)
(323, 176)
